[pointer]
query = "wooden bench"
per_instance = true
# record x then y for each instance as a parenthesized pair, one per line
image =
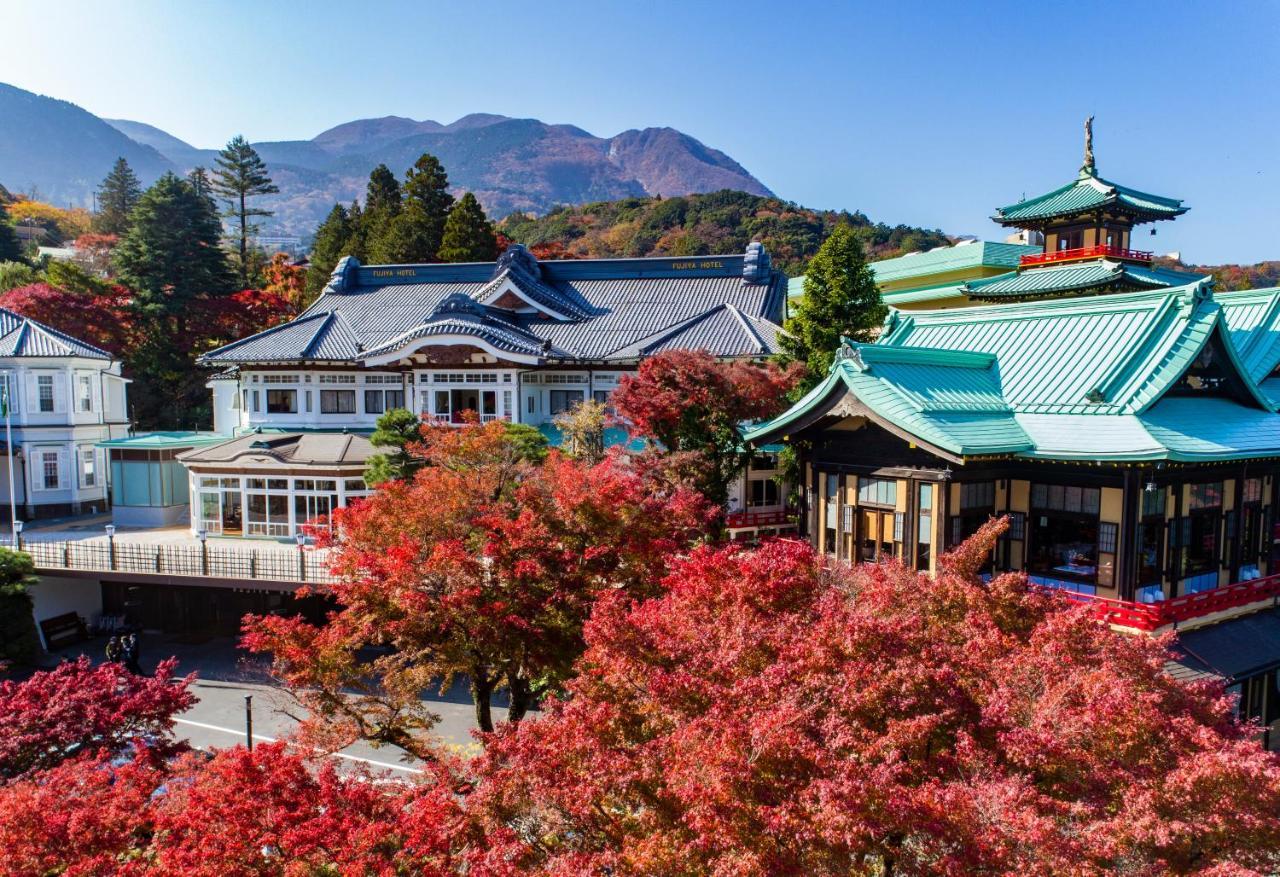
(63, 629)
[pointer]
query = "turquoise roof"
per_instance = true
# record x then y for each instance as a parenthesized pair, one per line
(1066, 379)
(1089, 192)
(971, 254)
(155, 441)
(1074, 277)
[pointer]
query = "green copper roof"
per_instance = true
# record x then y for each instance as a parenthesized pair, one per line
(1087, 193)
(969, 254)
(1074, 278)
(1065, 379)
(156, 441)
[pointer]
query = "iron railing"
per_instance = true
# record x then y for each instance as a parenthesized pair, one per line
(304, 566)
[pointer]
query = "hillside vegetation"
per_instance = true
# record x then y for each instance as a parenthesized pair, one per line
(695, 225)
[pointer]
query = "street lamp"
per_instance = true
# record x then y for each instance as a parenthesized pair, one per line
(17, 534)
(203, 536)
(111, 543)
(301, 538)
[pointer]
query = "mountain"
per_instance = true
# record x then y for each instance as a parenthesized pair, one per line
(510, 164)
(696, 225)
(61, 151)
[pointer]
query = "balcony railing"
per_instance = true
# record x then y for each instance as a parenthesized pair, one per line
(304, 566)
(1101, 250)
(1152, 616)
(771, 518)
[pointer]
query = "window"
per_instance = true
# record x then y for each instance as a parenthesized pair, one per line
(764, 492)
(601, 396)
(48, 473)
(257, 400)
(337, 401)
(44, 393)
(1107, 537)
(88, 468)
(1251, 490)
(1017, 526)
(977, 504)
(877, 491)
(1064, 533)
(1059, 498)
(979, 494)
(1197, 531)
(84, 393)
(378, 401)
(282, 401)
(532, 403)
(337, 379)
(563, 400)
(831, 493)
(306, 395)
(279, 379)
(924, 530)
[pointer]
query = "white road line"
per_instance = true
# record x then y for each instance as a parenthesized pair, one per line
(266, 739)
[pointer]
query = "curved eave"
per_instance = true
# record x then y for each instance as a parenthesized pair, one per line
(403, 350)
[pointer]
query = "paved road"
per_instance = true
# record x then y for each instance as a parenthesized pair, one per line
(225, 675)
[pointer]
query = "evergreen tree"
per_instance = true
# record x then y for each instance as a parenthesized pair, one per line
(396, 430)
(117, 196)
(10, 249)
(840, 298)
(19, 641)
(332, 240)
(242, 175)
(170, 258)
(382, 202)
(468, 234)
(198, 177)
(416, 233)
(356, 244)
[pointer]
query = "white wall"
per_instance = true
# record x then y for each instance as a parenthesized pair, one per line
(55, 596)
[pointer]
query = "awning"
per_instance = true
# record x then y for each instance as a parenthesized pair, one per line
(1233, 650)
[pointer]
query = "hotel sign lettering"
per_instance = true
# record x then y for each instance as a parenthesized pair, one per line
(394, 272)
(696, 266)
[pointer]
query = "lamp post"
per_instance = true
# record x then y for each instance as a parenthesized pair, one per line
(203, 536)
(301, 538)
(248, 721)
(111, 543)
(17, 534)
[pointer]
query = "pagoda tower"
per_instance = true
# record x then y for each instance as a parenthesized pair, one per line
(1088, 227)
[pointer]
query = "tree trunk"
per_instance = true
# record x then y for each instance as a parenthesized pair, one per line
(521, 696)
(481, 693)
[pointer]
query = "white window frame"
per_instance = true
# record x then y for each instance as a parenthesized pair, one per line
(88, 475)
(53, 394)
(40, 477)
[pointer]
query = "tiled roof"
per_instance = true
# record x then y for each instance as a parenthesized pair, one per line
(268, 450)
(1071, 379)
(1089, 192)
(1074, 277)
(970, 254)
(20, 336)
(606, 305)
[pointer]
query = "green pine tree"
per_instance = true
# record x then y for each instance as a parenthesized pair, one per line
(416, 233)
(468, 234)
(19, 641)
(396, 429)
(10, 249)
(840, 298)
(382, 203)
(117, 196)
(170, 258)
(332, 240)
(242, 175)
(198, 177)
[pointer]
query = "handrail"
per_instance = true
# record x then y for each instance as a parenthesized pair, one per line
(309, 566)
(1152, 616)
(1095, 251)
(760, 519)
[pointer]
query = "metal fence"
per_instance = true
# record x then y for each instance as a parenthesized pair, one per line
(309, 566)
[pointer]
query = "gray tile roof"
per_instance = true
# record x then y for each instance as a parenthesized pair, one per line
(589, 310)
(20, 336)
(1234, 649)
(271, 450)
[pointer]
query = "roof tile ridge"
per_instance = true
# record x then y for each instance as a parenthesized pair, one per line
(318, 334)
(747, 329)
(643, 344)
(1262, 330)
(1159, 318)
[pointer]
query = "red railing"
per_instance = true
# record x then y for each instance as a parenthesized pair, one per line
(1150, 616)
(1086, 253)
(736, 520)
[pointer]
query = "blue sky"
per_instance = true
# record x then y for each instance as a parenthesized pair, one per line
(927, 113)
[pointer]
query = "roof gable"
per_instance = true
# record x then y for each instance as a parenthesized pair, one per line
(23, 337)
(1090, 192)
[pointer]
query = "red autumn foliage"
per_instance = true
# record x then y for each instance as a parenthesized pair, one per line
(78, 707)
(484, 564)
(104, 321)
(692, 403)
(768, 717)
(239, 315)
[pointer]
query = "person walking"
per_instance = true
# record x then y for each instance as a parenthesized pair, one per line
(114, 650)
(131, 653)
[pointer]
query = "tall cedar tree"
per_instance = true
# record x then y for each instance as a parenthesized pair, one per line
(18, 639)
(468, 234)
(10, 249)
(840, 298)
(382, 203)
(117, 196)
(416, 233)
(242, 175)
(332, 242)
(171, 259)
(484, 564)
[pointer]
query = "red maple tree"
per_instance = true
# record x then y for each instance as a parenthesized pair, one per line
(484, 565)
(767, 716)
(694, 405)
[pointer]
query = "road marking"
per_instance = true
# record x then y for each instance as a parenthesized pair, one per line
(266, 739)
